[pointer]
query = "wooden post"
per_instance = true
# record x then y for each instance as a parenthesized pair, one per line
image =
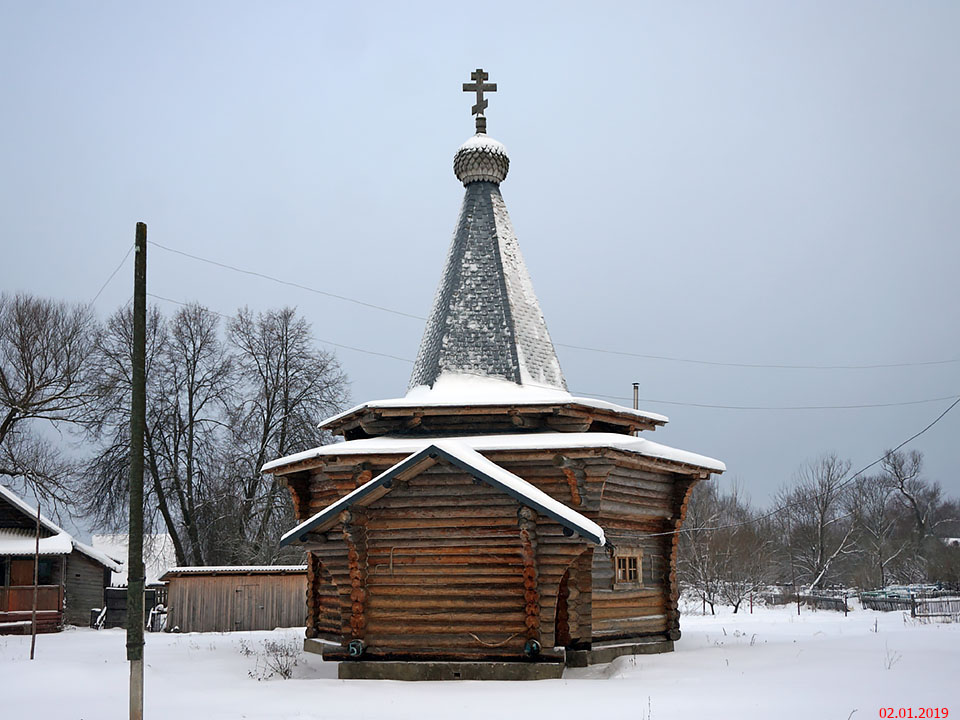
(138, 412)
(36, 583)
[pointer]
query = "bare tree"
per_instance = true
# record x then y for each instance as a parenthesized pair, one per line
(877, 522)
(748, 559)
(218, 408)
(923, 502)
(44, 346)
(287, 385)
(816, 523)
(189, 378)
(698, 559)
(725, 550)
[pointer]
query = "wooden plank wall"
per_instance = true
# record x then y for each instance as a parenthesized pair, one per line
(224, 603)
(83, 588)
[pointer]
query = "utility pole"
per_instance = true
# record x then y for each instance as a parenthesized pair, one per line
(36, 581)
(138, 414)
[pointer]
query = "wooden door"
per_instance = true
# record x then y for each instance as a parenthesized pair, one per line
(246, 600)
(21, 572)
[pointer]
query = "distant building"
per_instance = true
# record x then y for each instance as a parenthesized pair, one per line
(489, 524)
(158, 555)
(229, 598)
(72, 575)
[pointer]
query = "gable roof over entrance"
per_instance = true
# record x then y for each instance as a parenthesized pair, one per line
(470, 461)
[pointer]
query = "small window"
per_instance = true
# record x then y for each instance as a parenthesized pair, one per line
(627, 567)
(46, 572)
(3, 572)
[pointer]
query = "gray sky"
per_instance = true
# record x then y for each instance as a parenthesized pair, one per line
(758, 182)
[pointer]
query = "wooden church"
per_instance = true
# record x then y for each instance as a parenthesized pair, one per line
(488, 524)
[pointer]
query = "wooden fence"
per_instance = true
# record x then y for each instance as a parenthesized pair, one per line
(885, 604)
(947, 607)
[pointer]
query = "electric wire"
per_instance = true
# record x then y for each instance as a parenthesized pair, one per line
(320, 340)
(667, 358)
(112, 275)
(759, 518)
(777, 407)
(840, 486)
(775, 366)
(287, 282)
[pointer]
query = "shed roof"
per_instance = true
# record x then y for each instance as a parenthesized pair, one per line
(467, 459)
(201, 570)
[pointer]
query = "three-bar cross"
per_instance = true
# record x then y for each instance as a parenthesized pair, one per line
(479, 86)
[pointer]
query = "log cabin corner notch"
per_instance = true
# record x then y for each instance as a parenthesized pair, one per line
(488, 524)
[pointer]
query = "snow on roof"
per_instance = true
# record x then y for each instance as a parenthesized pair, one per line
(158, 555)
(453, 389)
(463, 456)
(533, 495)
(233, 570)
(387, 445)
(21, 541)
(31, 512)
(483, 141)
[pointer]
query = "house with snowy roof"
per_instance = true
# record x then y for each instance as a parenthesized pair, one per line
(488, 524)
(71, 576)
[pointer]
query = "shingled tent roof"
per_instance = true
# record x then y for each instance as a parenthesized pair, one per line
(486, 319)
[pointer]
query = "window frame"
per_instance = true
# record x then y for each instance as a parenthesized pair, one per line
(627, 553)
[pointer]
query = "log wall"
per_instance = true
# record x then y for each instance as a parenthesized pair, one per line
(443, 564)
(636, 504)
(440, 565)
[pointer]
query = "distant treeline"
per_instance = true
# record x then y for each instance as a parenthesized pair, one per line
(825, 528)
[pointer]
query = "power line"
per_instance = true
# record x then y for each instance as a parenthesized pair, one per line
(320, 340)
(668, 358)
(778, 510)
(287, 282)
(759, 365)
(618, 397)
(778, 407)
(107, 282)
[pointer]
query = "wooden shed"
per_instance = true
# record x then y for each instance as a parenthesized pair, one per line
(71, 575)
(489, 524)
(225, 599)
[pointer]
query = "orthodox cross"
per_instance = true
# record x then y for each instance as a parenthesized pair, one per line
(479, 86)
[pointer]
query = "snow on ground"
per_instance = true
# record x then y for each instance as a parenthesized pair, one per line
(769, 664)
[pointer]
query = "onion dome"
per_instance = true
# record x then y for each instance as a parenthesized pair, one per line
(481, 159)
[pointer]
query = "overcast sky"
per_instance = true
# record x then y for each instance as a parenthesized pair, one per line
(759, 183)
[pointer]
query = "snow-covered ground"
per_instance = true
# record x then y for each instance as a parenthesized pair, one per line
(769, 664)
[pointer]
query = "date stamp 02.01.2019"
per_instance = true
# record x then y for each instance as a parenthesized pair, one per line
(925, 713)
